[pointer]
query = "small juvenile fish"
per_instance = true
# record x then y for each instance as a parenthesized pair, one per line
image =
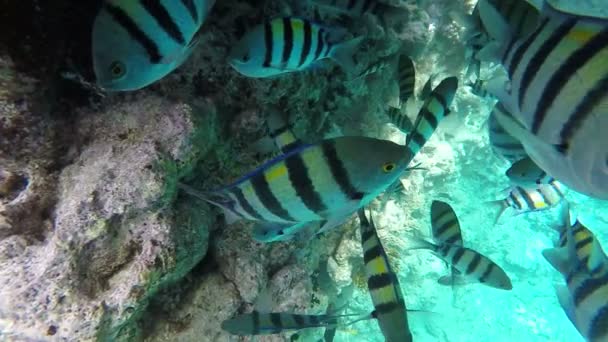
(290, 44)
(525, 200)
(256, 323)
(585, 296)
(526, 173)
(503, 143)
(280, 131)
(383, 285)
(138, 42)
(471, 265)
(406, 78)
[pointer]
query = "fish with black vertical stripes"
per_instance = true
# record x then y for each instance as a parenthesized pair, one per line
(526, 173)
(328, 181)
(587, 247)
(266, 323)
(584, 298)
(502, 142)
(137, 42)
(555, 89)
(472, 266)
(466, 264)
(529, 199)
(383, 285)
(406, 79)
(291, 44)
(479, 88)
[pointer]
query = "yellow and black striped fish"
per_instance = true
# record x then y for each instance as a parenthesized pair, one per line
(444, 224)
(279, 135)
(289, 44)
(137, 42)
(556, 91)
(328, 181)
(587, 248)
(256, 323)
(585, 296)
(383, 285)
(524, 200)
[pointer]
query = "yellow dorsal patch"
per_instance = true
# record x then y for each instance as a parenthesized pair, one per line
(581, 35)
(377, 265)
(539, 204)
(275, 172)
(297, 25)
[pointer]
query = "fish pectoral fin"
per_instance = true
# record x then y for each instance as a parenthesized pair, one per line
(558, 258)
(274, 231)
(455, 280)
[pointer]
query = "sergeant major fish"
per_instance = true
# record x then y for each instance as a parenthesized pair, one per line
(328, 181)
(466, 264)
(137, 42)
(585, 296)
(257, 323)
(471, 265)
(406, 79)
(383, 285)
(525, 200)
(290, 44)
(556, 93)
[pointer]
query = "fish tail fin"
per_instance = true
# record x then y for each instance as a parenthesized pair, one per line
(500, 207)
(343, 54)
(419, 242)
(230, 216)
(558, 258)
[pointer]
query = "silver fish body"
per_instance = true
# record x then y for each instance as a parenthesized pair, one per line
(557, 81)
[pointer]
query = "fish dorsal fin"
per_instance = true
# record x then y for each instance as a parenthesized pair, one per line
(494, 23)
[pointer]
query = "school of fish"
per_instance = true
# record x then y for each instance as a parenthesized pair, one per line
(549, 123)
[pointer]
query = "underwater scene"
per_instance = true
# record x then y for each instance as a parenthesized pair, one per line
(304, 170)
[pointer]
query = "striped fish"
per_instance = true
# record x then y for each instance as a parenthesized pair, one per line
(503, 143)
(406, 79)
(587, 248)
(471, 265)
(256, 323)
(526, 173)
(558, 76)
(585, 296)
(525, 200)
(400, 120)
(435, 108)
(383, 285)
(290, 44)
(444, 224)
(328, 181)
(137, 42)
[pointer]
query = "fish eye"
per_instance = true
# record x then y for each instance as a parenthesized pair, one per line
(388, 167)
(117, 69)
